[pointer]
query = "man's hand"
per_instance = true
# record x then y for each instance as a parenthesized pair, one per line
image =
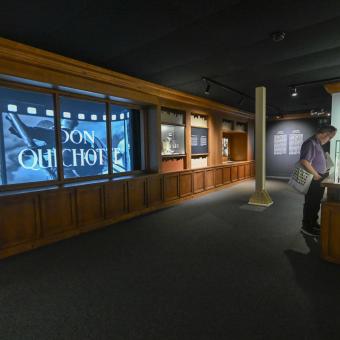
(308, 166)
(317, 177)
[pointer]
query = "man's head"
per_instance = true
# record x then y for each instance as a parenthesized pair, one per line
(325, 133)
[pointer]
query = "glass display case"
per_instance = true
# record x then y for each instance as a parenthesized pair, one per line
(173, 140)
(337, 162)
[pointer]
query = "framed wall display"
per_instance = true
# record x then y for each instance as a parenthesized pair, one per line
(199, 141)
(285, 138)
(225, 148)
(173, 140)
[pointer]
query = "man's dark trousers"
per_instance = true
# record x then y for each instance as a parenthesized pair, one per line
(312, 204)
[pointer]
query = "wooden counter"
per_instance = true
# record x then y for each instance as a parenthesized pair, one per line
(330, 223)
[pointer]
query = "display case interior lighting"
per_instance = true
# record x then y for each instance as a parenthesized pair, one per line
(322, 112)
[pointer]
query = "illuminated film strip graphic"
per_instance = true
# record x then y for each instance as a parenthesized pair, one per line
(19, 108)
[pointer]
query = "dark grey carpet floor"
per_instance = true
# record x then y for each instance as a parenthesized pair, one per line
(210, 268)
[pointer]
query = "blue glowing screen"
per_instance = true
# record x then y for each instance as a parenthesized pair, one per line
(83, 137)
(27, 137)
(121, 129)
(28, 150)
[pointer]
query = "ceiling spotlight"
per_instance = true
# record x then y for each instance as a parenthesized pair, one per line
(278, 36)
(207, 89)
(293, 92)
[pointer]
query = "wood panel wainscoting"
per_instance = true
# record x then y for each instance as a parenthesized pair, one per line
(46, 215)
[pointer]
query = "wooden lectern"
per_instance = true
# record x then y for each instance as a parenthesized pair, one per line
(330, 223)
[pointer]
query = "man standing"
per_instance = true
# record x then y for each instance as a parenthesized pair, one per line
(312, 157)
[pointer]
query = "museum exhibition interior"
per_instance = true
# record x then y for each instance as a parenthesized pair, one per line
(145, 153)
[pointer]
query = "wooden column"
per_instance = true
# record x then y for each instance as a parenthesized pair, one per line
(260, 196)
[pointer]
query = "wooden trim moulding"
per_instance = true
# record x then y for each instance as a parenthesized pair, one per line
(332, 88)
(21, 60)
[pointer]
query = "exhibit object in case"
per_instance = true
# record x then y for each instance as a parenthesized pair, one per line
(225, 147)
(173, 141)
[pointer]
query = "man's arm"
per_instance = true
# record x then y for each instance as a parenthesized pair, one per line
(308, 166)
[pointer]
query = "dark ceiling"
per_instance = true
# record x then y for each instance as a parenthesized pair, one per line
(175, 43)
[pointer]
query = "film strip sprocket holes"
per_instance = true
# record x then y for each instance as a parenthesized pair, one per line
(41, 111)
(24, 109)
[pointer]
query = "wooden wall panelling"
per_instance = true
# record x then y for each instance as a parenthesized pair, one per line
(239, 146)
(252, 169)
(137, 193)
(198, 181)
(185, 184)
(241, 171)
(251, 140)
(330, 232)
(209, 179)
(188, 140)
(153, 135)
(116, 204)
(170, 164)
(171, 186)
(19, 222)
(90, 206)
(214, 141)
(218, 176)
(58, 213)
(51, 215)
(234, 173)
(226, 174)
(155, 190)
(247, 170)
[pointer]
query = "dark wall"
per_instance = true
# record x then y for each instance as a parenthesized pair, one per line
(289, 133)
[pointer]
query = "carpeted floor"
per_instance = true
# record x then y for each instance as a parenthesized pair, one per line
(210, 268)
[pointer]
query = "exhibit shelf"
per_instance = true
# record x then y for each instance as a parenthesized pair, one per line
(233, 131)
(174, 156)
(199, 154)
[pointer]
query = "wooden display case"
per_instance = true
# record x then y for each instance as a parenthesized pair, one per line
(330, 223)
(173, 141)
(199, 140)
